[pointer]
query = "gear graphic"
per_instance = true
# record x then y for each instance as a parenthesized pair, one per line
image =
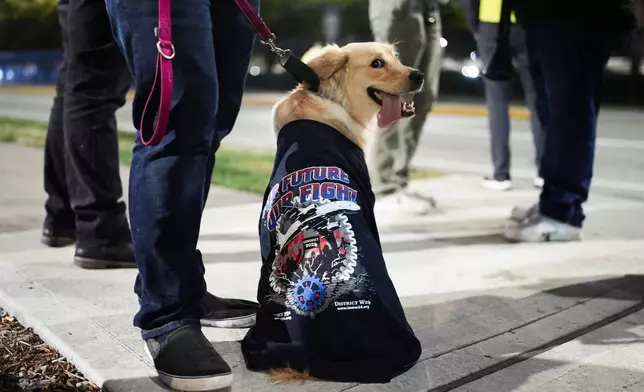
(309, 293)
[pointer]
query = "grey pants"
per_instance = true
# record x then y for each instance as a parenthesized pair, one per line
(497, 100)
(417, 36)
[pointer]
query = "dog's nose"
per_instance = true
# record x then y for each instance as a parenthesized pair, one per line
(417, 77)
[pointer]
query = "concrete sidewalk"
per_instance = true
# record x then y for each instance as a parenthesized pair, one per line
(491, 316)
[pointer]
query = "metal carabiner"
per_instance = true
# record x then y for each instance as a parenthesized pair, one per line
(274, 48)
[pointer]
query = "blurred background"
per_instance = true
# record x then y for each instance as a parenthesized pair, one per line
(30, 46)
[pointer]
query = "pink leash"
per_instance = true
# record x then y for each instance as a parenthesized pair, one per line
(163, 79)
(264, 33)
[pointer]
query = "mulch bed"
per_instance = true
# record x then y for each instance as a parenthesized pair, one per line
(28, 364)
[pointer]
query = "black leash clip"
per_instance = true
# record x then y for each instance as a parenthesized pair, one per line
(293, 65)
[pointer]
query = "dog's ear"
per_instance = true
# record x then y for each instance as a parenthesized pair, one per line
(328, 62)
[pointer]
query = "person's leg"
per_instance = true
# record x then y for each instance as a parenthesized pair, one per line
(167, 187)
(391, 149)
(530, 92)
(572, 60)
(381, 158)
(387, 146)
(430, 64)
(97, 81)
(167, 180)
(497, 101)
(233, 59)
(59, 228)
(542, 112)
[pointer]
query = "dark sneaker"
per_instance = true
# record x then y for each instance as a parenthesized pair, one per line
(228, 312)
(57, 238)
(116, 256)
(186, 361)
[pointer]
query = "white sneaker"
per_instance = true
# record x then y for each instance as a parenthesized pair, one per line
(539, 228)
(496, 185)
(405, 202)
(538, 182)
(519, 214)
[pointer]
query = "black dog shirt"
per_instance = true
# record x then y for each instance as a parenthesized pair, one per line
(327, 304)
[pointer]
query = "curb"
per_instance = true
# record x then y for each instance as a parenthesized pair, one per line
(516, 112)
(73, 334)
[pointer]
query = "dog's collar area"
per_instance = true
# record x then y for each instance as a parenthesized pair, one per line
(291, 63)
(299, 70)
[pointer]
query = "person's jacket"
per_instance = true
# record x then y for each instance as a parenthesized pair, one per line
(599, 14)
(639, 13)
(483, 17)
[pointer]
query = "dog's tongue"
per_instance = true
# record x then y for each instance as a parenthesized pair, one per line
(390, 110)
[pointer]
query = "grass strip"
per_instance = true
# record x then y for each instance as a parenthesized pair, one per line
(237, 168)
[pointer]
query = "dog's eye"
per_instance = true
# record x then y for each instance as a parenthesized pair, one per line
(377, 63)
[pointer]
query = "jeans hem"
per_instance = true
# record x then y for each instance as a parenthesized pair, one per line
(167, 328)
(502, 177)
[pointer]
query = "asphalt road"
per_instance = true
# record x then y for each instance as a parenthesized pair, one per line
(451, 143)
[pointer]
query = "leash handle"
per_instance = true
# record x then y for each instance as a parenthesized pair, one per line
(163, 85)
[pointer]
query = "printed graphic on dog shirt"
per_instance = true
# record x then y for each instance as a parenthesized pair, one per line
(315, 250)
(312, 183)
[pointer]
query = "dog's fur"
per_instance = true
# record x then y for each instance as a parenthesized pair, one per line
(343, 103)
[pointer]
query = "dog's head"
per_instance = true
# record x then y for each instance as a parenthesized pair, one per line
(367, 78)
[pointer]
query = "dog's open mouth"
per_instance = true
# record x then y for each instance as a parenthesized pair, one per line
(393, 107)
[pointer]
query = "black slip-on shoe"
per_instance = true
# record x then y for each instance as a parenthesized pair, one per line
(115, 256)
(228, 312)
(186, 361)
(57, 238)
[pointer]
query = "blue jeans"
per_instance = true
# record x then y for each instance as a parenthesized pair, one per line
(567, 63)
(169, 182)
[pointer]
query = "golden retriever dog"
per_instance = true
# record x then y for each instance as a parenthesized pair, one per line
(344, 102)
(328, 309)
